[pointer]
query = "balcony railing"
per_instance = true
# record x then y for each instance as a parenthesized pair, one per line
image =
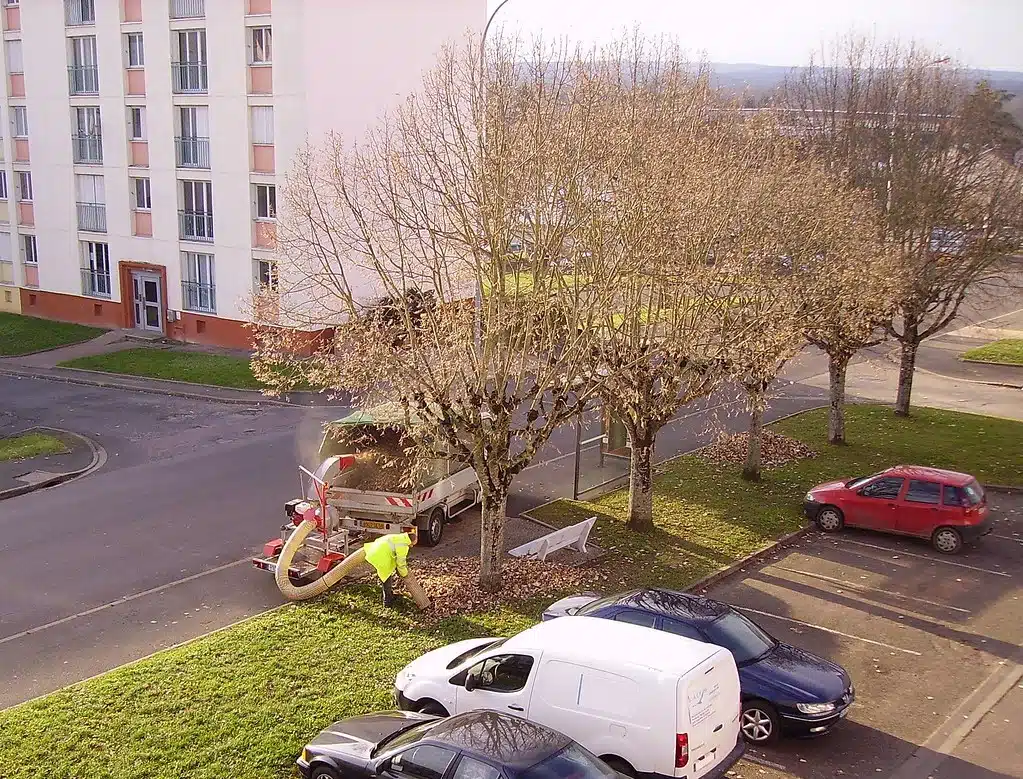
(79, 12)
(187, 9)
(196, 226)
(189, 77)
(92, 217)
(83, 79)
(88, 149)
(95, 283)
(199, 297)
(193, 152)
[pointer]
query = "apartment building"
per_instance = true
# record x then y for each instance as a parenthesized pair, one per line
(146, 140)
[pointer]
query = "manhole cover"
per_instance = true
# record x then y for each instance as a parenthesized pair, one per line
(35, 477)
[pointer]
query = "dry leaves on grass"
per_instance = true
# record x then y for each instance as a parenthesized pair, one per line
(776, 450)
(451, 583)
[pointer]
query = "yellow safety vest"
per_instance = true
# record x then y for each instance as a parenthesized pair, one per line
(388, 554)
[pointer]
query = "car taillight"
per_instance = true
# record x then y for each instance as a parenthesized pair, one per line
(681, 750)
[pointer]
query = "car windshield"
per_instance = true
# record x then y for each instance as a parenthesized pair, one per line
(572, 762)
(739, 636)
(407, 735)
(974, 493)
(471, 653)
(859, 480)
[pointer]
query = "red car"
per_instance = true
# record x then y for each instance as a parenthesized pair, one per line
(946, 507)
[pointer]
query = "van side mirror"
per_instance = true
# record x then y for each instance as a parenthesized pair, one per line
(571, 611)
(470, 682)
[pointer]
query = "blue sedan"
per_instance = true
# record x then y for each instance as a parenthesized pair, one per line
(784, 689)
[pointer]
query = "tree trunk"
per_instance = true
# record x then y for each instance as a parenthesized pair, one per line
(837, 366)
(751, 470)
(906, 368)
(493, 512)
(641, 484)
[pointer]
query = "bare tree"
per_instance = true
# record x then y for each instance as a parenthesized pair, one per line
(484, 184)
(906, 126)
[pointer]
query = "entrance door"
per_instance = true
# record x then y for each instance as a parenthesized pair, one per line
(148, 305)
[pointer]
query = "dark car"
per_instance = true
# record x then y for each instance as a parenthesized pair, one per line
(475, 745)
(783, 688)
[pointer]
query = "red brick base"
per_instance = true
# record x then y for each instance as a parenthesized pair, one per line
(71, 308)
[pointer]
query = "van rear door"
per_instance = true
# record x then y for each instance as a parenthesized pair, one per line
(708, 715)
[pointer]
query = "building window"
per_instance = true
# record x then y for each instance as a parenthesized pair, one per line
(198, 288)
(3, 184)
(9, 3)
(141, 193)
(19, 118)
(78, 12)
(135, 49)
(266, 275)
(24, 186)
(15, 59)
(137, 122)
(193, 141)
(197, 211)
(88, 135)
(261, 46)
(189, 72)
(95, 269)
(83, 72)
(29, 251)
(266, 201)
(262, 117)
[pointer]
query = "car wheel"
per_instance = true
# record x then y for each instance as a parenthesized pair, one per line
(619, 766)
(431, 528)
(323, 772)
(947, 540)
(830, 519)
(759, 722)
(433, 708)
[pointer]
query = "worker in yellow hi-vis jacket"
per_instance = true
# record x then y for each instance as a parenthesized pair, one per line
(389, 555)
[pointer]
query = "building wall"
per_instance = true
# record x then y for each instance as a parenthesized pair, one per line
(336, 66)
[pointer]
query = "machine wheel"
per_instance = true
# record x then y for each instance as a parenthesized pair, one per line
(759, 722)
(432, 707)
(830, 519)
(431, 528)
(619, 766)
(323, 772)
(947, 540)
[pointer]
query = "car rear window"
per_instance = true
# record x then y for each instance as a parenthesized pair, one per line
(971, 494)
(572, 762)
(974, 493)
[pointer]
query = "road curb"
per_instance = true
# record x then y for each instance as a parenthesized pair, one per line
(723, 573)
(99, 459)
(1005, 489)
(1002, 384)
(991, 362)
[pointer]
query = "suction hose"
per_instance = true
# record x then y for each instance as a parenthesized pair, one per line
(325, 582)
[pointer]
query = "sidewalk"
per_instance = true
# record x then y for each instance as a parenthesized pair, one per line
(20, 476)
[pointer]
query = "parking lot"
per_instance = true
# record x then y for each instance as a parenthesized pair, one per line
(932, 644)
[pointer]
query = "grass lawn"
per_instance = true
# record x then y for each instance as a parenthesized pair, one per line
(20, 447)
(197, 367)
(1009, 351)
(24, 334)
(244, 701)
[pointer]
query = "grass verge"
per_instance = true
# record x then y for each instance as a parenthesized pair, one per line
(195, 367)
(25, 334)
(1009, 350)
(20, 447)
(244, 701)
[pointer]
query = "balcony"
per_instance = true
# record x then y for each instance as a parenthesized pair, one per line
(187, 9)
(88, 149)
(92, 217)
(189, 78)
(95, 283)
(79, 12)
(199, 297)
(196, 226)
(193, 152)
(83, 79)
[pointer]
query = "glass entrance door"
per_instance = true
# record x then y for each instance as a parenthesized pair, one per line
(148, 305)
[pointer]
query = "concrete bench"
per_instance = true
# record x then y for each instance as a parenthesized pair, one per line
(573, 536)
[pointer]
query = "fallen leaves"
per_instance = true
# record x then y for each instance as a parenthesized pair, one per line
(776, 450)
(451, 583)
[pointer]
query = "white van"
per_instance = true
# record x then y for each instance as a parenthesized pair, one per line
(647, 702)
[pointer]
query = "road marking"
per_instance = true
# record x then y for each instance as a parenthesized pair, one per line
(761, 761)
(125, 599)
(1007, 538)
(981, 322)
(926, 557)
(830, 630)
(861, 587)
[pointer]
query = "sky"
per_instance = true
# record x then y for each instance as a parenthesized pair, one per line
(985, 34)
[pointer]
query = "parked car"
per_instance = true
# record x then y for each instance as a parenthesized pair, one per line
(645, 703)
(946, 507)
(783, 688)
(476, 745)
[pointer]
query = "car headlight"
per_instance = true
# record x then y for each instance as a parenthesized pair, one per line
(815, 708)
(305, 756)
(809, 497)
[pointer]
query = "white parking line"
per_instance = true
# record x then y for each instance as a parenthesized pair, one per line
(1007, 538)
(761, 761)
(830, 630)
(902, 553)
(864, 588)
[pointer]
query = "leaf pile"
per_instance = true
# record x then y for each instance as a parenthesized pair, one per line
(452, 585)
(776, 450)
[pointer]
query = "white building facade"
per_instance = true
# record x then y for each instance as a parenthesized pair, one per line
(146, 140)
